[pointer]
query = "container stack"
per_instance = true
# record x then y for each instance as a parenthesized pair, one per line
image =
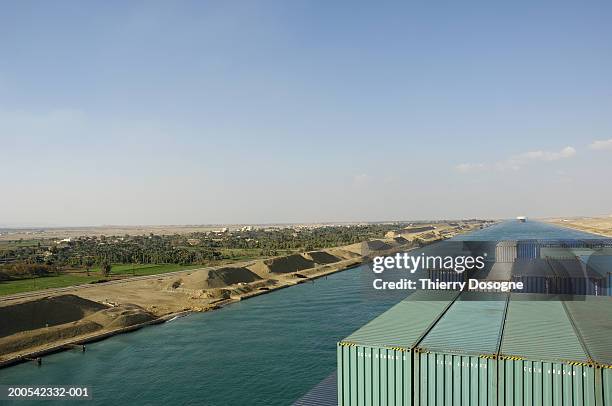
(471, 348)
(505, 251)
(559, 277)
(527, 249)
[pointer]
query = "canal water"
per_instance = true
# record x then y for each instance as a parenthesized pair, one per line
(268, 350)
(530, 230)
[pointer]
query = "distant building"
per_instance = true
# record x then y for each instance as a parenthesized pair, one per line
(193, 241)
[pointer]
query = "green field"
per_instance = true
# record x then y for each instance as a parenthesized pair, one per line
(78, 278)
(144, 269)
(28, 285)
(6, 245)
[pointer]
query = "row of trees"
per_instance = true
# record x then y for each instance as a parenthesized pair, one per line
(20, 270)
(196, 248)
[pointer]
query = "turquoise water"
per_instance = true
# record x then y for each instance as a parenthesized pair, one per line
(268, 350)
(530, 230)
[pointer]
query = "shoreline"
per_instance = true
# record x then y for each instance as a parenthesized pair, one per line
(31, 356)
(600, 226)
(233, 294)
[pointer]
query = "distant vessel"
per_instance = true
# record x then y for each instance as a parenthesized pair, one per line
(522, 219)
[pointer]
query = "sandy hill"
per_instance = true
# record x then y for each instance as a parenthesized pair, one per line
(400, 240)
(120, 316)
(343, 253)
(72, 316)
(321, 257)
(288, 263)
(356, 249)
(48, 311)
(367, 247)
(215, 278)
(35, 338)
(376, 245)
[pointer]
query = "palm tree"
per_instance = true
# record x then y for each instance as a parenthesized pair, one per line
(105, 266)
(89, 263)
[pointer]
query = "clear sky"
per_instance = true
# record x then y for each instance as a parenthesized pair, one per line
(178, 112)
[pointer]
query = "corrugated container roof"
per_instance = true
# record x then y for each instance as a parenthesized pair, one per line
(500, 271)
(594, 325)
(557, 252)
(540, 329)
(531, 267)
(564, 268)
(601, 264)
(405, 323)
(471, 326)
(536, 326)
(572, 268)
(507, 243)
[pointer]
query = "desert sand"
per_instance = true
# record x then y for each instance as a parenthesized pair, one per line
(597, 225)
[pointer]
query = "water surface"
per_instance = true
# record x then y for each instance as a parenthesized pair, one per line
(268, 350)
(530, 230)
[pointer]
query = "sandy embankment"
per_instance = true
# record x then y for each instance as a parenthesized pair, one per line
(43, 323)
(595, 225)
(57, 321)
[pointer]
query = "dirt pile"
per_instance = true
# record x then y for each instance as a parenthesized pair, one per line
(214, 278)
(120, 316)
(104, 319)
(36, 338)
(321, 257)
(286, 264)
(400, 240)
(355, 249)
(45, 312)
(376, 245)
(343, 253)
(367, 247)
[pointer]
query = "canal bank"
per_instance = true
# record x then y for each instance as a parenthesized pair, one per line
(268, 350)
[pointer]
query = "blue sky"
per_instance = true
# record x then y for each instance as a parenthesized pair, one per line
(303, 111)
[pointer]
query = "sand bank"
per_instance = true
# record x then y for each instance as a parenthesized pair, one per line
(45, 321)
(596, 225)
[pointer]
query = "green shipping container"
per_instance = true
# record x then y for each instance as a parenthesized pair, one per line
(542, 359)
(375, 362)
(456, 363)
(481, 349)
(446, 379)
(593, 322)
